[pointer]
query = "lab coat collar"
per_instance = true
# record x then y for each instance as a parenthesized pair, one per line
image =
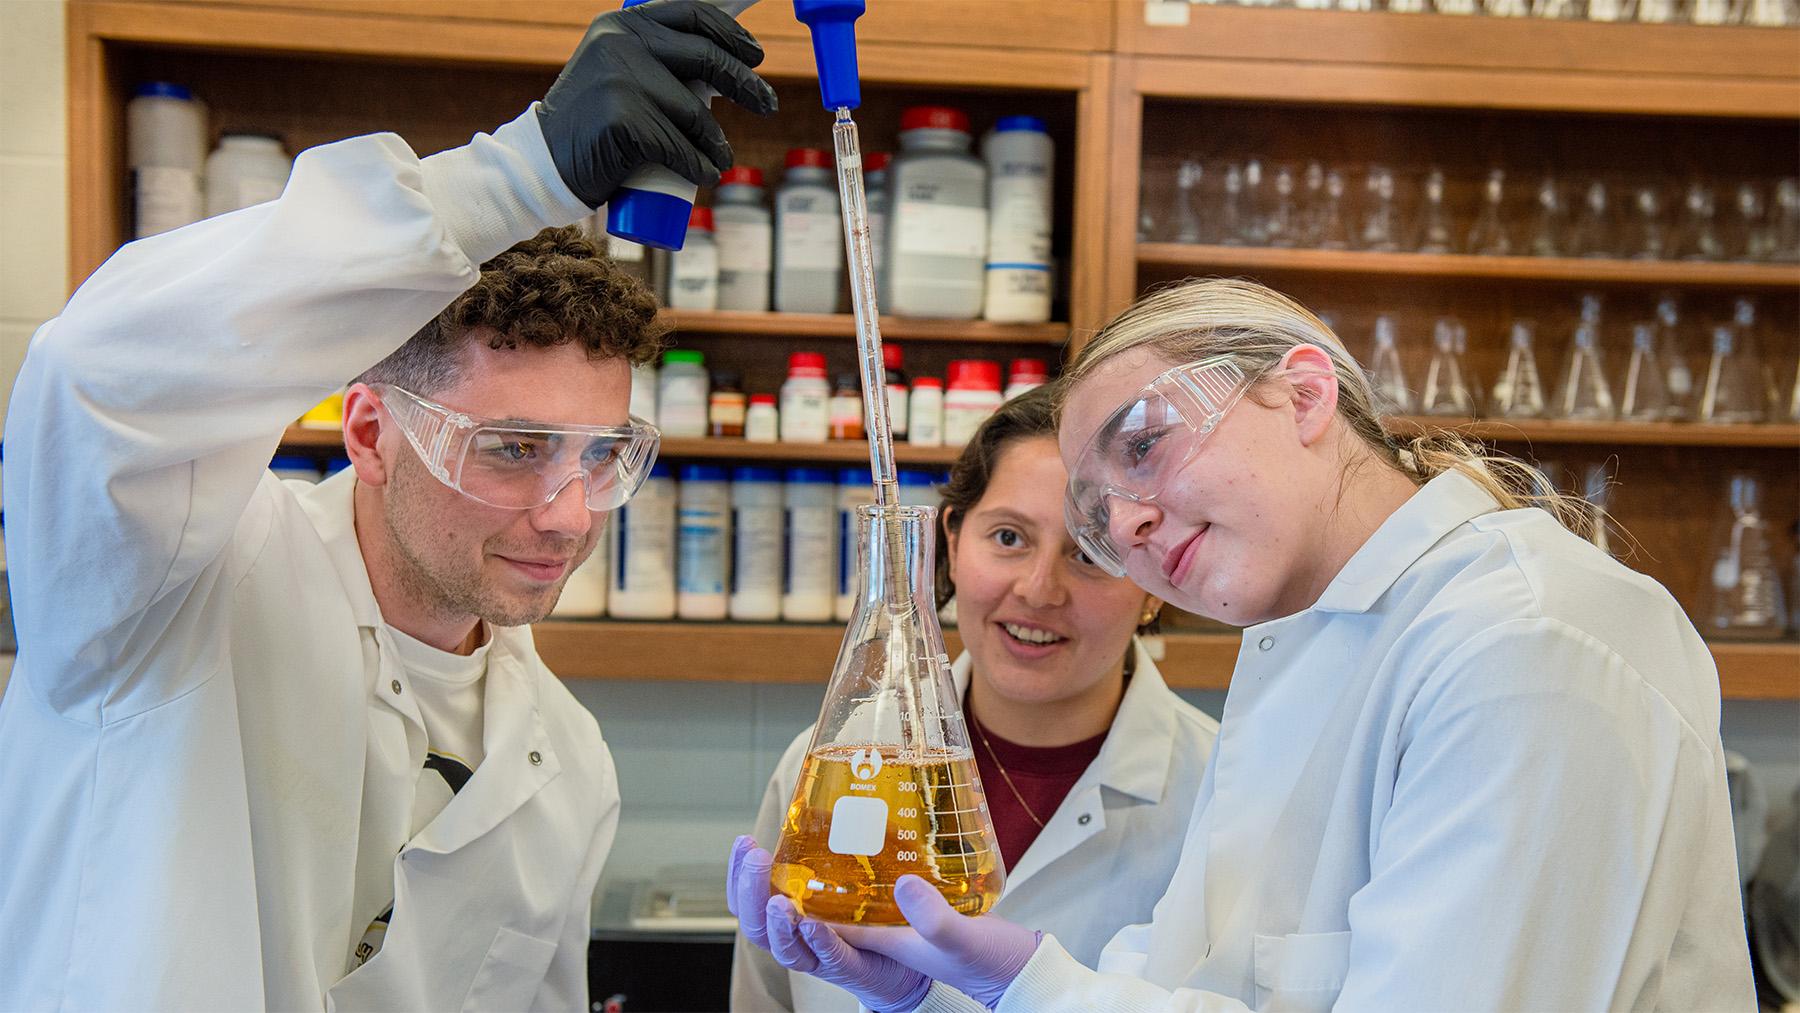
(331, 506)
(1439, 507)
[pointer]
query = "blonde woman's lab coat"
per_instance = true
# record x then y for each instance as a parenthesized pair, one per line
(1482, 772)
(208, 741)
(1100, 863)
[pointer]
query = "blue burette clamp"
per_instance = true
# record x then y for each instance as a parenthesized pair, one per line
(833, 25)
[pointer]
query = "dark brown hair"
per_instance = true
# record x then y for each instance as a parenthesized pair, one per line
(1032, 413)
(555, 288)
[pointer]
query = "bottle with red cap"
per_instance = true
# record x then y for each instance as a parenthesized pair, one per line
(745, 236)
(805, 400)
(973, 395)
(925, 411)
(694, 269)
(1024, 375)
(937, 248)
(809, 241)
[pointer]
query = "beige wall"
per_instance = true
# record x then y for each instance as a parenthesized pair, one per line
(34, 219)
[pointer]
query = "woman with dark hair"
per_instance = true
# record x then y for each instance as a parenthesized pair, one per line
(1087, 758)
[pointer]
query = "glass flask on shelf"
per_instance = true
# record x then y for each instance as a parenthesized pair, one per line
(1488, 237)
(1644, 396)
(1646, 237)
(1380, 228)
(1750, 237)
(1771, 13)
(1408, 6)
(1519, 391)
(1657, 12)
(1745, 597)
(1461, 7)
(1584, 393)
(1185, 219)
(1592, 233)
(1733, 390)
(1785, 229)
(1433, 232)
(1446, 390)
(1698, 237)
(1393, 395)
(1312, 205)
(1793, 412)
(1549, 224)
(889, 785)
(1596, 487)
(1334, 230)
(1231, 205)
(1506, 8)
(1253, 223)
(1680, 376)
(1283, 225)
(1560, 10)
(1611, 10)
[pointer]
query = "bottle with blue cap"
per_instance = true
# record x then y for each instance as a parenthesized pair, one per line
(809, 501)
(165, 149)
(643, 550)
(756, 539)
(703, 542)
(856, 488)
(1019, 157)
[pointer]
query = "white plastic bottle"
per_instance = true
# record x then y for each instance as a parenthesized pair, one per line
(165, 148)
(1024, 375)
(681, 393)
(756, 532)
(762, 420)
(925, 413)
(694, 269)
(856, 487)
(643, 391)
(584, 593)
(643, 551)
(805, 400)
(937, 248)
(809, 500)
(809, 241)
(878, 200)
(1019, 157)
(703, 541)
(745, 235)
(245, 170)
(973, 395)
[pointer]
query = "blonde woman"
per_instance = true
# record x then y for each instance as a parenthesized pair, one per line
(1088, 759)
(1468, 761)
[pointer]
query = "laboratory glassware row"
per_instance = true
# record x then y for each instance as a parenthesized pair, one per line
(1761, 13)
(1663, 374)
(1255, 202)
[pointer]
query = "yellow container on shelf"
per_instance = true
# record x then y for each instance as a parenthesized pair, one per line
(327, 414)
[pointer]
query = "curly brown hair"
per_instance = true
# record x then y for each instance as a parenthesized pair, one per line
(555, 288)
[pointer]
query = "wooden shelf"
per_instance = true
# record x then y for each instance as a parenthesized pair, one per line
(1667, 434)
(804, 653)
(843, 325)
(305, 438)
(1463, 265)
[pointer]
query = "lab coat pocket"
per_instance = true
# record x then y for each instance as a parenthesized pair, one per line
(1302, 971)
(510, 974)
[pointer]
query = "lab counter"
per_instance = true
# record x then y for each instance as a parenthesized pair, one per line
(661, 947)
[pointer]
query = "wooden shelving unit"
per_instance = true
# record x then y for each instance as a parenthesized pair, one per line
(1688, 274)
(843, 325)
(804, 653)
(1659, 434)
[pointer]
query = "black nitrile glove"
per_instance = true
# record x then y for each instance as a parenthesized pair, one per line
(620, 101)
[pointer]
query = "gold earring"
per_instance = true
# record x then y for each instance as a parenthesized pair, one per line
(1149, 616)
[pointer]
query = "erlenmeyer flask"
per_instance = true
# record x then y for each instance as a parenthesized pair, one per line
(1393, 395)
(1253, 223)
(1488, 236)
(1284, 217)
(1446, 393)
(1231, 206)
(1186, 218)
(1699, 237)
(1547, 229)
(1334, 232)
(889, 785)
(1592, 235)
(1733, 391)
(1519, 393)
(1646, 238)
(1584, 393)
(1645, 397)
(1596, 487)
(1750, 237)
(1312, 205)
(1786, 230)
(1794, 411)
(1380, 230)
(1433, 233)
(1745, 597)
(1675, 357)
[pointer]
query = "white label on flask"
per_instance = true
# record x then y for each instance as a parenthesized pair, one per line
(858, 826)
(811, 241)
(165, 198)
(694, 277)
(1020, 232)
(743, 246)
(941, 230)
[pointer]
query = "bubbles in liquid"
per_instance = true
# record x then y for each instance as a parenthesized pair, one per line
(862, 817)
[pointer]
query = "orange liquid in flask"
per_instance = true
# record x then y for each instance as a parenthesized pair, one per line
(863, 817)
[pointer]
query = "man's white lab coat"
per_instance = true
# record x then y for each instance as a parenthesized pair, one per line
(1101, 862)
(1482, 772)
(208, 736)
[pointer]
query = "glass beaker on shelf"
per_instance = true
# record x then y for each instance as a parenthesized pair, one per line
(1644, 397)
(889, 786)
(1745, 597)
(1584, 393)
(1432, 235)
(1488, 236)
(1519, 392)
(1446, 391)
(1393, 395)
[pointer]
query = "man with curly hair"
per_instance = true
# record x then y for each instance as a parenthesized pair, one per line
(272, 745)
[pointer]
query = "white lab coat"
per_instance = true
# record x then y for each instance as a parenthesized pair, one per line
(208, 736)
(1483, 772)
(1100, 863)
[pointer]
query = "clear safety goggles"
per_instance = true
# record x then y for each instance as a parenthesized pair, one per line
(523, 465)
(1142, 445)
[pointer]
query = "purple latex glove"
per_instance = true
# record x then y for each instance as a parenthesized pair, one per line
(806, 945)
(979, 956)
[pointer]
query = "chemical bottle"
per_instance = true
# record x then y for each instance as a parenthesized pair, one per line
(165, 148)
(805, 400)
(643, 550)
(703, 540)
(937, 246)
(245, 170)
(856, 488)
(845, 410)
(756, 532)
(681, 392)
(584, 593)
(894, 367)
(1024, 375)
(634, 258)
(925, 413)
(744, 234)
(726, 406)
(809, 504)
(973, 395)
(878, 199)
(694, 269)
(809, 242)
(643, 391)
(1019, 157)
(762, 420)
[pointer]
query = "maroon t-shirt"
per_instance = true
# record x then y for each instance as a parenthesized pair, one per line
(1042, 774)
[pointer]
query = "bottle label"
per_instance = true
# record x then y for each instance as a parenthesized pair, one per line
(1019, 230)
(757, 531)
(805, 418)
(940, 230)
(700, 556)
(644, 555)
(810, 559)
(846, 411)
(165, 198)
(927, 423)
(810, 239)
(898, 408)
(694, 277)
(744, 246)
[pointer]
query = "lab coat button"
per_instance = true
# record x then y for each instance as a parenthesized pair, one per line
(1265, 643)
(1084, 819)
(395, 686)
(536, 757)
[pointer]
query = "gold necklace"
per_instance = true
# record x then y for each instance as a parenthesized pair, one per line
(1001, 767)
